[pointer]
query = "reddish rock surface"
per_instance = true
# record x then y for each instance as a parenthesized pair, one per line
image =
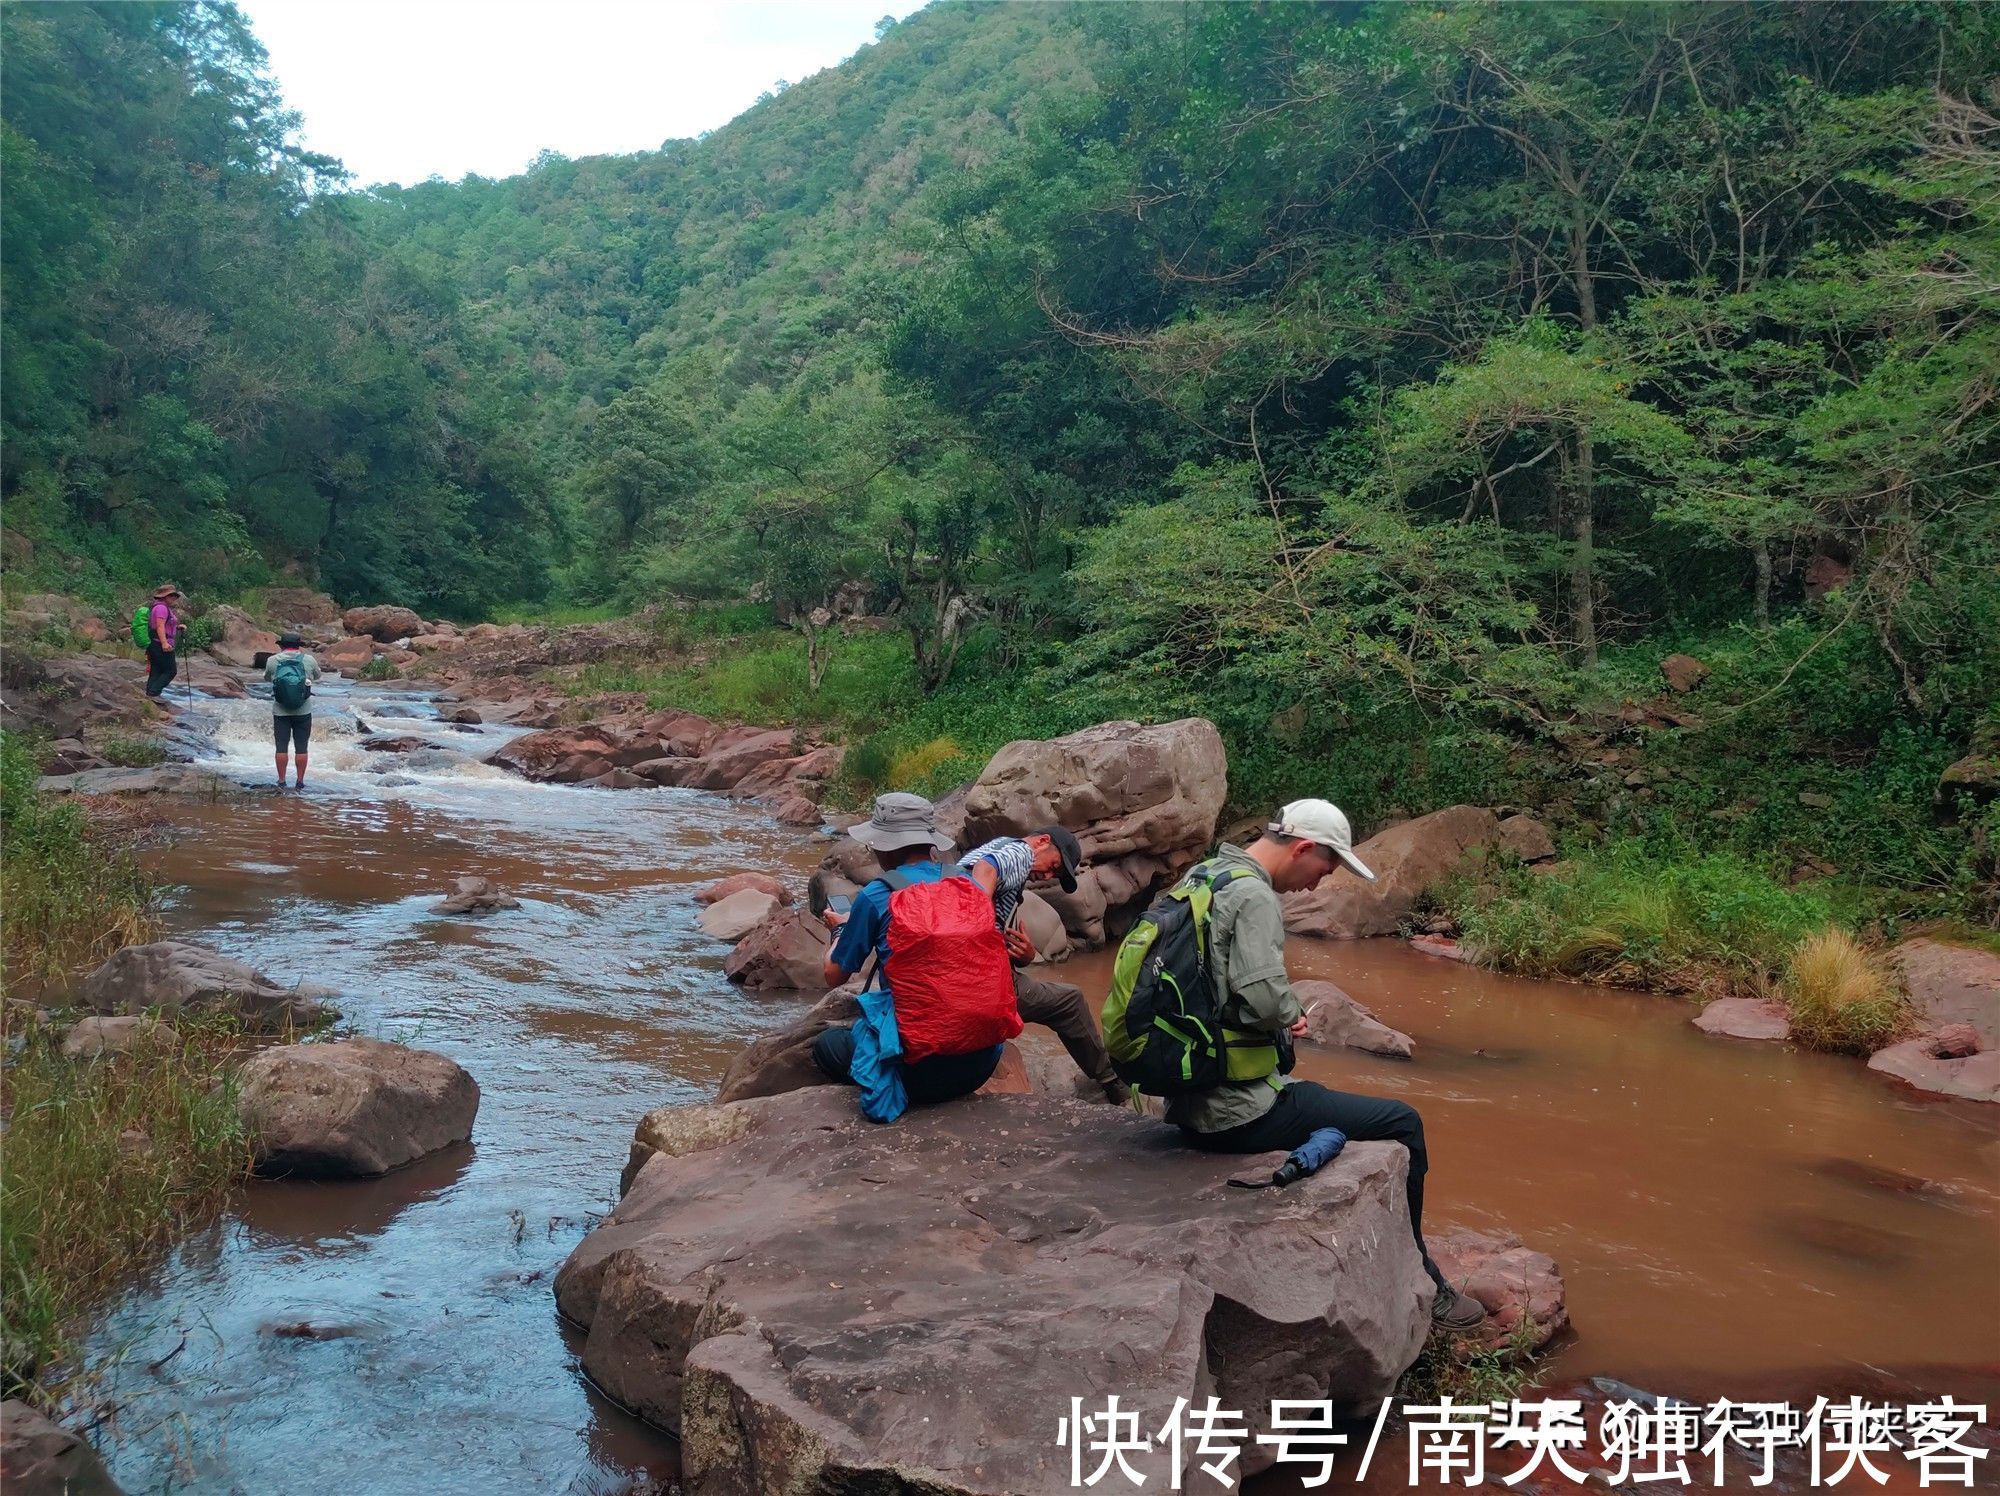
(722, 888)
(795, 1291)
(170, 976)
(40, 1458)
(1745, 1018)
(1405, 859)
(348, 656)
(785, 952)
(384, 624)
(1683, 672)
(355, 1107)
(1916, 1062)
(732, 918)
(1514, 1282)
(1332, 1017)
(237, 639)
(1952, 984)
(1525, 837)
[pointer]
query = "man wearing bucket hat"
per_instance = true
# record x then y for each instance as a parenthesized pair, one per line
(1307, 841)
(903, 835)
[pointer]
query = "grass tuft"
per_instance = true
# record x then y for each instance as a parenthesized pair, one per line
(1841, 998)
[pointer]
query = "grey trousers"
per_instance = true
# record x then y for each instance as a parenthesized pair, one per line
(1059, 1006)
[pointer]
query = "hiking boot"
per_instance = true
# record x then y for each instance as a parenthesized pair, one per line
(1118, 1093)
(1455, 1311)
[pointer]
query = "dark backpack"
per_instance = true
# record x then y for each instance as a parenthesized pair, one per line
(1163, 1020)
(947, 968)
(289, 686)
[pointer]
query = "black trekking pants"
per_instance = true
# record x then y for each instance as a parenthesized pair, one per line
(161, 668)
(942, 1077)
(1304, 1107)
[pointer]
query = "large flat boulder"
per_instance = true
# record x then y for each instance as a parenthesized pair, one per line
(736, 916)
(722, 888)
(294, 606)
(78, 696)
(732, 759)
(816, 1303)
(385, 625)
(1746, 1018)
(184, 781)
(172, 976)
(40, 1458)
(780, 1061)
(1929, 1065)
(1406, 859)
(1952, 984)
(1121, 787)
(355, 1107)
(348, 656)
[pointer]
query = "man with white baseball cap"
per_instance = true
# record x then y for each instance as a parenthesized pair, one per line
(1307, 841)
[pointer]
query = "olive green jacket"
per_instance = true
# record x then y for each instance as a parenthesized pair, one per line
(1246, 943)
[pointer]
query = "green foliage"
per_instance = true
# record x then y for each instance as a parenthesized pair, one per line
(73, 894)
(381, 667)
(132, 752)
(82, 1204)
(1626, 919)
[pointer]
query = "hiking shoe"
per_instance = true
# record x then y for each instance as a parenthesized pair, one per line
(1118, 1093)
(1455, 1311)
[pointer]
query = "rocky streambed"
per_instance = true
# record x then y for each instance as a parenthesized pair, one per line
(800, 1292)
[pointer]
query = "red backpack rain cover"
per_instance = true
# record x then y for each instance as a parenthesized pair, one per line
(948, 969)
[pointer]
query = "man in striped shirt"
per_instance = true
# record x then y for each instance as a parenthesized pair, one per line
(1004, 867)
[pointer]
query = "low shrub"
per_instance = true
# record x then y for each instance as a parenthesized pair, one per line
(132, 752)
(381, 667)
(915, 768)
(1841, 998)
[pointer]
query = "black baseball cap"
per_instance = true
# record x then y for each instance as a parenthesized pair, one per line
(1072, 854)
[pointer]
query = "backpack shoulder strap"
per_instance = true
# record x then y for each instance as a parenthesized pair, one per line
(896, 880)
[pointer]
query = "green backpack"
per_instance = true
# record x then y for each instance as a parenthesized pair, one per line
(1162, 1021)
(142, 627)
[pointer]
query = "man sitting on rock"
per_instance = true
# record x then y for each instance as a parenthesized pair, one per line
(1246, 952)
(904, 837)
(1004, 867)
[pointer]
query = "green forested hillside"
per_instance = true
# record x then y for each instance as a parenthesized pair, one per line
(1395, 384)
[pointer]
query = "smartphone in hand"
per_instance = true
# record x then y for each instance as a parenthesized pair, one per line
(840, 903)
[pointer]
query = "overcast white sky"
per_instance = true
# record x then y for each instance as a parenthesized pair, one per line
(401, 90)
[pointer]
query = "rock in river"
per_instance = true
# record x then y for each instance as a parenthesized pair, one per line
(786, 951)
(1746, 1018)
(1332, 1017)
(171, 975)
(736, 916)
(357, 1106)
(816, 1303)
(40, 1458)
(475, 896)
(1405, 859)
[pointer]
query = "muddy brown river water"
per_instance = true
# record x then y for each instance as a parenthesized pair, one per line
(1729, 1216)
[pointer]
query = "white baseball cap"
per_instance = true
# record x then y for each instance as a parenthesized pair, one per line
(1324, 822)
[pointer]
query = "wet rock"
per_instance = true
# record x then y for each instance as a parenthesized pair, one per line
(1683, 672)
(1844, 1240)
(558, 754)
(40, 1458)
(475, 896)
(355, 1107)
(401, 743)
(1406, 860)
(91, 1037)
(801, 1315)
(1952, 984)
(1955, 1041)
(172, 976)
(1525, 837)
(1915, 1062)
(1442, 946)
(76, 696)
(1122, 788)
(619, 779)
(793, 809)
(786, 951)
(181, 780)
(1745, 1018)
(397, 781)
(435, 760)
(781, 1061)
(349, 656)
(423, 644)
(1332, 1017)
(852, 861)
(735, 883)
(462, 716)
(802, 774)
(236, 638)
(1045, 927)
(736, 916)
(1880, 1178)
(385, 625)
(734, 756)
(1517, 1284)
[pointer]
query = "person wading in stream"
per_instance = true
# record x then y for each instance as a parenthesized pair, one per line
(291, 672)
(163, 637)
(1004, 868)
(941, 1002)
(1252, 1106)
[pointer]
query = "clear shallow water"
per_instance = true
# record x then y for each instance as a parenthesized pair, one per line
(1724, 1212)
